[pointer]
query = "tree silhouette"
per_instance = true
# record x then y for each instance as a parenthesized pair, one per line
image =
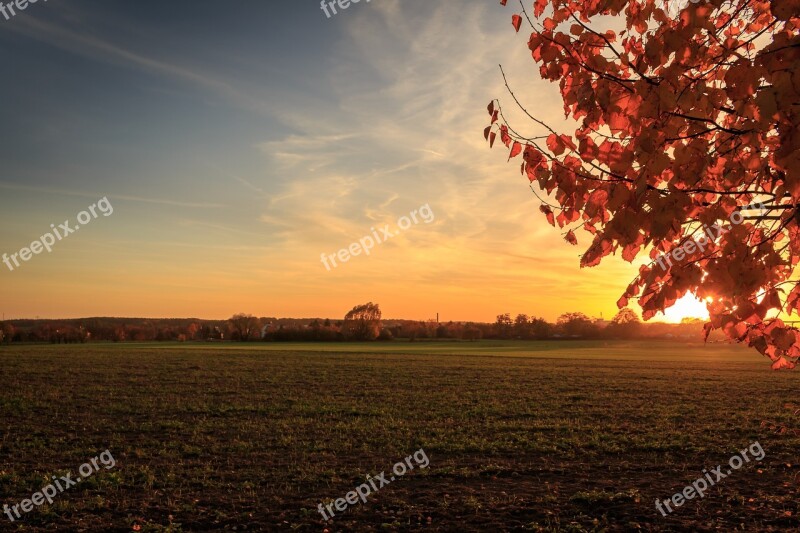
(247, 327)
(625, 324)
(362, 322)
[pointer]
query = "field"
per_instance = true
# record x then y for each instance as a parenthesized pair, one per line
(563, 436)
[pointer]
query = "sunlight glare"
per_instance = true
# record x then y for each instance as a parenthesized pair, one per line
(687, 307)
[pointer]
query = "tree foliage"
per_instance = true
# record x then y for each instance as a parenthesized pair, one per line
(624, 317)
(6, 333)
(577, 325)
(246, 327)
(362, 322)
(625, 324)
(681, 123)
(504, 325)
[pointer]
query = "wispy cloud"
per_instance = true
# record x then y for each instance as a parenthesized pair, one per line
(99, 49)
(82, 194)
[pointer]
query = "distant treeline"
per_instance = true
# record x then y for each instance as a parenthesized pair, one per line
(362, 323)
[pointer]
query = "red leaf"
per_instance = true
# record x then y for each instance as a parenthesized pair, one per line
(600, 248)
(515, 150)
(516, 21)
(570, 238)
(629, 252)
(567, 140)
(554, 144)
(504, 136)
(549, 212)
(792, 303)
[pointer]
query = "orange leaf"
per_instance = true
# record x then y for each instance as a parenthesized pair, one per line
(783, 364)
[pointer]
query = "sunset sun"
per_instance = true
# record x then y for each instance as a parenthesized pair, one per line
(687, 307)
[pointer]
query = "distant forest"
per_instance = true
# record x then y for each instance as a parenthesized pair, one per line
(362, 323)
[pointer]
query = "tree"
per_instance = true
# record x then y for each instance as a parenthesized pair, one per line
(577, 325)
(625, 324)
(683, 122)
(120, 334)
(625, 316)
(541, 328)
(362, 322)
(471, 333)
(522, 326)
(9, 331)
(503, 326)
(246, 327)
(191, 330)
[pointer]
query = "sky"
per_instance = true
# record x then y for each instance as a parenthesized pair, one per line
(238, 143)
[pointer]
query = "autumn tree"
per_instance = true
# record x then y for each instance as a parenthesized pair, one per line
(246, 327)
(191, 330)
(362, 322)
(682, 122)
